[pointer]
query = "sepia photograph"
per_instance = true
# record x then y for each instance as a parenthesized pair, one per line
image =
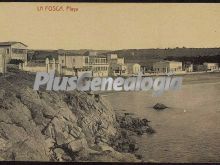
(110, 82)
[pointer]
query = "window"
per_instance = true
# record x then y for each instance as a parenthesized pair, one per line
(86, 60)
(7, 51)
(18, 51)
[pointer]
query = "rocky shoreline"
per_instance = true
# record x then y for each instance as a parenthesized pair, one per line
(130, 126)
(63, 126)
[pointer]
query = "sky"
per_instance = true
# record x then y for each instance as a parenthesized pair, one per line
(110, 26)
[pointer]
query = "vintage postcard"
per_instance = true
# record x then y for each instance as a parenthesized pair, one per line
(110, 82)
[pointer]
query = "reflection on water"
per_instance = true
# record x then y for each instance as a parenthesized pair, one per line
(189, 131)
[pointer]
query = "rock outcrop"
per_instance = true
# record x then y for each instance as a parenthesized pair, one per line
(159, 107)
(55, 126)
(134, 124)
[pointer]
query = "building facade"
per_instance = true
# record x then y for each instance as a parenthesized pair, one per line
(2, 61)
(76, 64)
(43, 66)
(167, 66)
(133, 68)
(188, 67)
(73, 61)
(211, 66)
(11, 51)
(116, 65)
(99, 65)
(14, 50)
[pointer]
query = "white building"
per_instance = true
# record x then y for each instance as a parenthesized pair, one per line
(133, 68)
(211, 66)
(14, 50)
(43, 66)
(116, 65)
(168, 66)
(97, 64)
(11, 51)
(73, 61)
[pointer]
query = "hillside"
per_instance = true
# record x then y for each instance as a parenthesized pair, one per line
(56, 126)
(143, 56)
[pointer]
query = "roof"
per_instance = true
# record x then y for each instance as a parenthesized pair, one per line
(10, 43)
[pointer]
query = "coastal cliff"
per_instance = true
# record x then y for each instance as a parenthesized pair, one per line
(55, 126)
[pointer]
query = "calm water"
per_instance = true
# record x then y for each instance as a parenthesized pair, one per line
(189, 131)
